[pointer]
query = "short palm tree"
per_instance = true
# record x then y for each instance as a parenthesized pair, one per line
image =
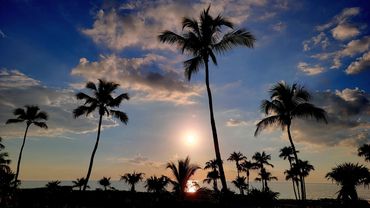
(103, 101)
(264, 177)
(293, 174)
(213, 175)
(201, 39)
(287, 154)
(182, 172)
(157, 184)
(31, 115)
(262, 159)
(364, 151)
(349, 175)
(288, 102)
(247, 166)
(53, 185)
(132, 179)
(304, 168)
(239, 182)
(79, 183)
(105, 182)
(237, 157)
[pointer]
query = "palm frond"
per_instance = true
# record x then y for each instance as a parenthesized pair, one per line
(239, 37)
(117, 101)
(91, 86)
(171, 38)
(81, 110)
(14, 120)
(19, 112)
(191, 24)
(309, 110)
(42, 115)
(87, 98)
(213, 57)
(122, 116)
(41, 124)
(222, 21)
(268, 121)
(192, 66)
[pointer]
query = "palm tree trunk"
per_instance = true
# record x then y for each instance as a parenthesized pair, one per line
(215, 188)
(247, 182)
(93, 154)
(20, 156)
(132, 187)
(214, 130)
(237, 168)
(293, 180)
(303, 197)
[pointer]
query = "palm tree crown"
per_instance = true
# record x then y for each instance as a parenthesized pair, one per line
(262, 159)
(364, 151)
(201, 39)
(157, 184)
(32, 115)
(79, 182)
(105, 182)
(237, 157)
(182, 173)
(132, 179)
(102, 100)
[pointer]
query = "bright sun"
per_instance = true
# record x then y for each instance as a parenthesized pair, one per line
(190, 138)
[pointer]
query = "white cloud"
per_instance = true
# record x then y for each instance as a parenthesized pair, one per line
(319, 40)
(280, 26)
(310, 70)
(235, 122)
(345, 31)
(343, 17)
(151, 77)
(361, 64)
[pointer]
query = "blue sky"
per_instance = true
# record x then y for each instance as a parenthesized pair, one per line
(50, 49)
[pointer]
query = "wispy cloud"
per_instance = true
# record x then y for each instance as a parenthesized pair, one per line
(310, 70)
(361, 64)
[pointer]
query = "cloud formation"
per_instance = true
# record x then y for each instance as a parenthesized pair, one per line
(345, 31)
(361, 64)
(235, 122)
(151, 77)
(310, 70)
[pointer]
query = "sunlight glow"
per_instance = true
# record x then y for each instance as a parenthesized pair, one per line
(191, 186)
(191, 138)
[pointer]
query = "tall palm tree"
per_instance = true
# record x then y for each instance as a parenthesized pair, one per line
(262, 159)
(247, 166)
(213, 175)
(304, 169)
(157, 184)
(182, 171)
(287, 154)
(349, 175)
(103, 101)
(132, 179)
(265, 176)
(288, 102)
(239, 182)
(31, 115)
(237, 157)
(105, 182)
(364, 151)
(79, 182)
(293, 174)
(201, 39)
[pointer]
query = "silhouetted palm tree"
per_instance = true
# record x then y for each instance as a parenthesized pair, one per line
(30, 115)
(53, 185)
(79, 182)
(261, 160)
(247, 166)
(364, 151)
(201, 39)
(105, 182)
(213, 175)
(304, 168)
(287, 154)
(264, 177)
(293, 174)
(288, 102)
(4, 161)
(348, 175)
(103, 101)
(182, 173)
(237, 157)
(6, 175)
(157, 185)
(239, 182)
(132, 179)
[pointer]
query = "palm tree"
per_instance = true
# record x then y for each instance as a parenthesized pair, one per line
(201, 39)
(103, 100)
(105, 182)
(132, 179)
(239, 182)
(293, 174)
(304, 169)
(288, 102)
(182, 173)
(287, 154)
(247, 166)
(53, 185)
(213, 175)
(79, 182)
(265, 176)
(30, 115)
(349, 175)
(237, 157)
(364, 151)
(262, 159)
(157, 184)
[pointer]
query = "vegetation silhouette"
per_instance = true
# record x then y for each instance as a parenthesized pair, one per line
(157, 184)
(132, 179)
(30, 115)
(182, 172)
(237, 157)
(240, 183)
(289, 102)
(264, 177)
(261, 159)
(364, 151)
(292, 174)
(201, 39)
(103, 101)
(213, 175)
(6, 176)
(79, 183)
(247, 166)
(53, 186)
(349, 175)
(105, 182)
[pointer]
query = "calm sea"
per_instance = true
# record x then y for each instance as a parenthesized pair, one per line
(314, 190)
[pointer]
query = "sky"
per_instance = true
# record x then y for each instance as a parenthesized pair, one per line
(50, 49)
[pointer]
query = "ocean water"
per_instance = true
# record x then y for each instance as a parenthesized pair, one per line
(314, 190)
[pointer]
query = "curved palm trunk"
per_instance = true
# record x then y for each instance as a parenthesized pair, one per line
(93, 154)
(214, 131)
(303, 194)
(20, 156)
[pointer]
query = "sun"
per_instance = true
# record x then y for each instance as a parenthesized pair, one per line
(192, 186)
(191, 138)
